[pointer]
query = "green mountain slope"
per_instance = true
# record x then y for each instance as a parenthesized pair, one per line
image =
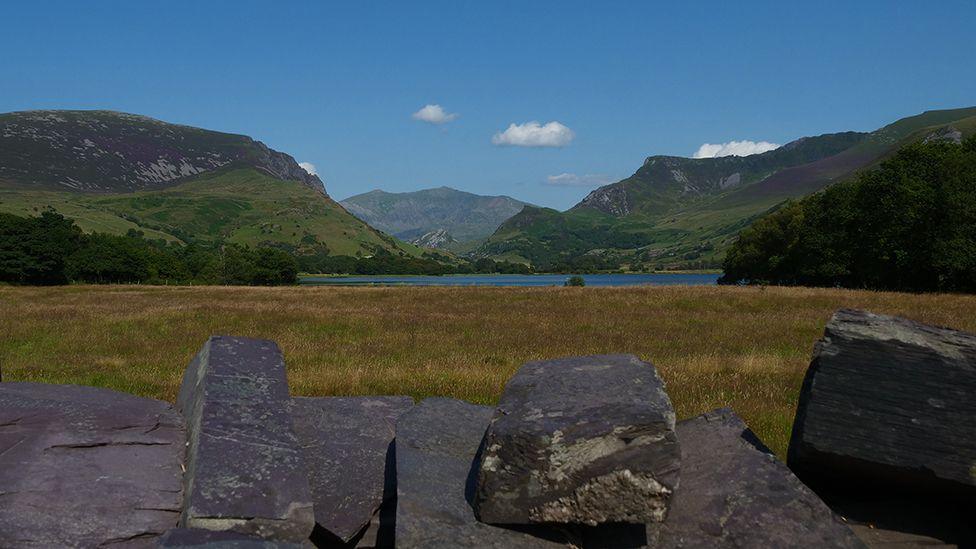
(415, 215)
(241, 205)
(233, 204)
(684, 212)
(114, 172)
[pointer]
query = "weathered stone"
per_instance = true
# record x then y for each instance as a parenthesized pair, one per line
(891, 401)
(436, 448)
(86, 467)
(180, 538)
(245, 470)
(586, 440)
(735, 493)
(348, 447)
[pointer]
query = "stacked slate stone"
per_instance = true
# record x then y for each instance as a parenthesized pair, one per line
(277, 471)
(886, 426)
(589, 446)
(580, 452)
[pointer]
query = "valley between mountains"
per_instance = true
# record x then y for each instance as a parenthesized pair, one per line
(115, 173)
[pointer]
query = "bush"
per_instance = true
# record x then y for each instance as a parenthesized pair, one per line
(575, 280)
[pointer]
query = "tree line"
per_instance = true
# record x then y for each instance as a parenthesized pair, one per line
(51, 249)
(908, 225)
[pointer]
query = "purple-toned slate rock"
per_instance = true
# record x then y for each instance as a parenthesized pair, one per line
(584, 440)
(86, 467)
(436, 447)
(186, 538)
(348, 447)
(735, 493)
(891, 401)
(245, 470)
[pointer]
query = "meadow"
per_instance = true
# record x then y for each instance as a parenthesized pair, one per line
(744, 347)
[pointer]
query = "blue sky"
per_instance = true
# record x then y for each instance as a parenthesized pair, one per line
(335, 84)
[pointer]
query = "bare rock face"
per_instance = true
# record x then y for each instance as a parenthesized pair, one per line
(348, 447)
(245, 471)
(735, 493)
(86, 467)
(890, 401)
(436, 450)
(585, 440)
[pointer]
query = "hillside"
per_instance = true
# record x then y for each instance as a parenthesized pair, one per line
(684, 212)
(114, 172)
(442, 214)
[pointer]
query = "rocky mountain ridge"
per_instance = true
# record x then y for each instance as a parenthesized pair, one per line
(110, 152)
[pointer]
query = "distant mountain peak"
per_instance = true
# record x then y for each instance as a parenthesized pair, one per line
(412, 215)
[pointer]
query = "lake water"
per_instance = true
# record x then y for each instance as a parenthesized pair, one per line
(517, 280)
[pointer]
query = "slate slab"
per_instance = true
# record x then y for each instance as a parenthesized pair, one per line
(888, 400)
(348, 449)
(586, 440)
(245, 471)
(436, 448)
(185, 538)
(735, 493)
(84, 466)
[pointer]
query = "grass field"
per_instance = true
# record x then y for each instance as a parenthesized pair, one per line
(715, 346)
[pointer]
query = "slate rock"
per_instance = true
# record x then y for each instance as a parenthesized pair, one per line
(85, 467)
(890, 401)
(245, 470)
(735, 493)
(348, 449)
(180, 538)
(587, 440)
(436, 449)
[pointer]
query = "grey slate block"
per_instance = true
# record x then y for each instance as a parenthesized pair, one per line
(245, 470)
(889, 400)
(348, 448)
(83, 467)
(586, 440)
(436, 448)
(186, 538)
(735, 493)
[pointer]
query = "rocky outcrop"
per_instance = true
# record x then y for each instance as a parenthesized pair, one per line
(348, 447)
(583, 440)
(609, 199)
(245, 469)
(888, 400)
(735, 493)
(438, 238)
(86, 467)
(437, 446)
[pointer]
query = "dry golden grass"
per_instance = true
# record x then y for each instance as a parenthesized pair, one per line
(715, 346)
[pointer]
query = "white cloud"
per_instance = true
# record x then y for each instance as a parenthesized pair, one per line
(734, 148)
(533, 134)
(308, 167)
(434, 114)
(574, 180)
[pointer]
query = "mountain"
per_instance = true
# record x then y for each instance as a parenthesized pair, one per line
(106, 151)
(685, 212)
(114, 172)
(465, 216)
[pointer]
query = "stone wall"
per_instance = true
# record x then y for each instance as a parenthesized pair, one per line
(579, 452)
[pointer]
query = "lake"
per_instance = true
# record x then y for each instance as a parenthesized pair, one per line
(657, 279)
